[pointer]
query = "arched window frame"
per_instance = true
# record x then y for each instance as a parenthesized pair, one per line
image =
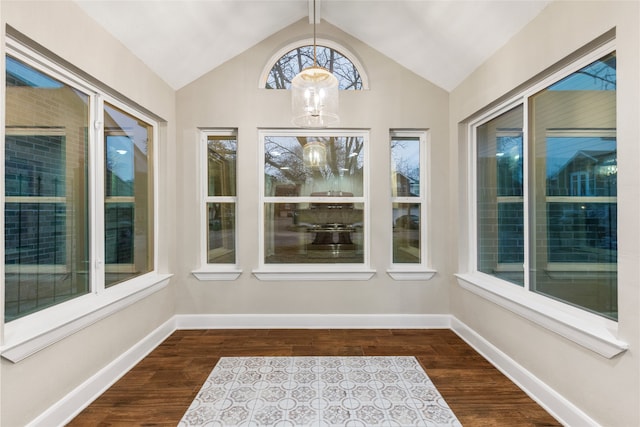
(309, 42)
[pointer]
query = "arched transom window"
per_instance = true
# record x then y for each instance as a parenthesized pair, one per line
(294, 60)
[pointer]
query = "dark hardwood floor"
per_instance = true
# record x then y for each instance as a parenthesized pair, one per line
(158, 390)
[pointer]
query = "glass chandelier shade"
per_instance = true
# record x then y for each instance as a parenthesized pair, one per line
(314, 93)
(314, 98)
(314, 155)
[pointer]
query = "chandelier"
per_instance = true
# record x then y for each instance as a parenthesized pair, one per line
(314, 155)
(314, 93)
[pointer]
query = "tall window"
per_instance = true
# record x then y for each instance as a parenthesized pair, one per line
(295, 60)
(408, 155)
(314, 197)
(546, 203)
(500, 208)
(221, 148)
(128, 143)
(54, 250)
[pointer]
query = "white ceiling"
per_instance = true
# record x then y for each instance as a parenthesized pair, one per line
(440, 40)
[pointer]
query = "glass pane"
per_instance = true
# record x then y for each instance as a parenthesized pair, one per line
(314, 233)
(119, 219)
(500, 202)
(405, 166)
(314, 166)
(575, 209)
(406, 233)
(46, 213)
(221, 233)
(221, 165)
(582, 233)
(120, 165)
(581, 165)
(294, 61)
(128, 196)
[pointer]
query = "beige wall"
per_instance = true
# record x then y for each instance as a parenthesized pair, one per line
(229, 97)
(606, 390)
(31, 386)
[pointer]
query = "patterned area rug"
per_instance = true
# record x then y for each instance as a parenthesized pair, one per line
(318, 392)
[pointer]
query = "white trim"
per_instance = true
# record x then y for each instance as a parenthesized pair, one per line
(313, 321)
(211, 274)
(553, 402)
(306, 273)
(588, 330)
(30, 334)
(417, 274)
(264, 75)
(63, 411)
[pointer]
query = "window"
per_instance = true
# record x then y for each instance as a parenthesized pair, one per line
(128, 212)
(500, 201)
(314, 198)
(285, 66)
(221, 197)
(545, 189)
(408, 201)
(218, 148)
(79, 192)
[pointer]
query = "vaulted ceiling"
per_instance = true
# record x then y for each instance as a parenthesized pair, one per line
(440, 40)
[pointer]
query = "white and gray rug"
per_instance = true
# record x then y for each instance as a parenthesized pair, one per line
(318, 391)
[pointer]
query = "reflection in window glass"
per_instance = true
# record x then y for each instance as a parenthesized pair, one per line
(221, 165)
(294, 61)
(314, 233)
(407, 196)
(499, 196)
(46, 213)
(314, 198)
(221, 198)
(571, 189)
(576, 171)
(406, 233)
(313, 166)
(221, 233)
(128, 196)
(405, 166)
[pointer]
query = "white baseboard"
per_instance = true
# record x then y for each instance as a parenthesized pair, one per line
(73, 403)
(313, 321)
(559, 407)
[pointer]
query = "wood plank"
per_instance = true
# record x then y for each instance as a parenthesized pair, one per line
(158, 390)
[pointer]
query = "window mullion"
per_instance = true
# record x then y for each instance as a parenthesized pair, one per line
(96, 194)
(526, 190)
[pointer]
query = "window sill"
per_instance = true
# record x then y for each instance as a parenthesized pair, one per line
(411, 274)
(30, 334)
(307, 273)
(588, 330)
(216, 275)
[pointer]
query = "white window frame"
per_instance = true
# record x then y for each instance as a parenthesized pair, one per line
(587, 329)
(29, 334)
(320, 271)
(420, 270)
(207, 271)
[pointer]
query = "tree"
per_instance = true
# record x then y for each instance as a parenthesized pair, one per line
(294, 61)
